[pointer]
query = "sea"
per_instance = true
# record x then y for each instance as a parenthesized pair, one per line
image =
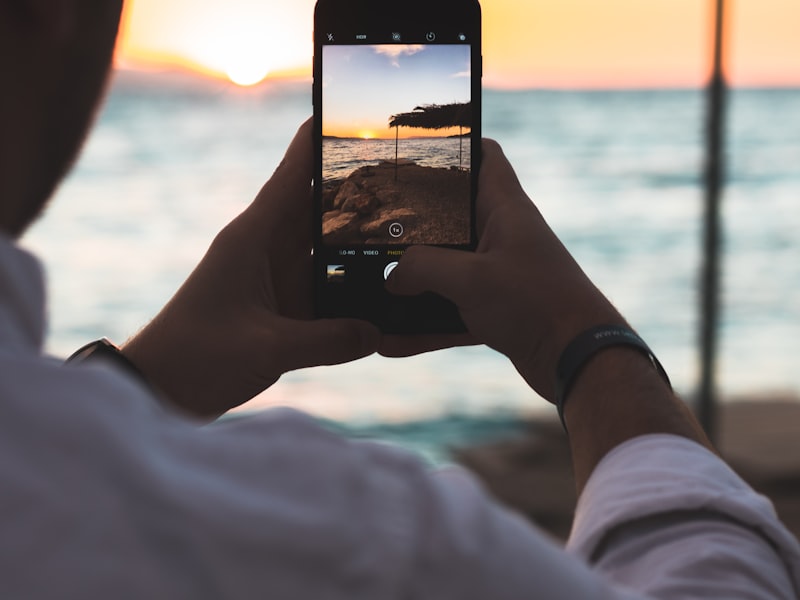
(616, 173)
(343, 156)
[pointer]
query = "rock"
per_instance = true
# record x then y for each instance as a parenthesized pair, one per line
(387, 195)
(328, 197)
(401, 162)
(349, 189)
(378, 226)
(363, 204)
(340, 227)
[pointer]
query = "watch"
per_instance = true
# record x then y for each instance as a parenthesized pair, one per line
(103, 350)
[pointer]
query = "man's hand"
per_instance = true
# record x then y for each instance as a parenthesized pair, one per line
(243, 318)
(520, 293)
(523, 294)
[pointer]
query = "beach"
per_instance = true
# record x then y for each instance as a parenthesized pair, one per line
(532, 474)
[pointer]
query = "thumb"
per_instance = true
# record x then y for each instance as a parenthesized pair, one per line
(325, 342)
(442, 271)
(284, 197)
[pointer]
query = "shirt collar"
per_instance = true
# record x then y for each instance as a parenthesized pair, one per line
(22, 299)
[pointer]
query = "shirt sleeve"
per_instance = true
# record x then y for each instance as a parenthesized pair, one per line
(665, 517)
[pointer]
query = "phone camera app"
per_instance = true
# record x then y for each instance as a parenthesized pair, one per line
(396, 145)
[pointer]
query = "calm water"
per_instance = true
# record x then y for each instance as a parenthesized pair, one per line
(615, 173)
(343, 156)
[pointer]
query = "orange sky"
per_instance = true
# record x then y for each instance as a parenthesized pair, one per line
(527, 43)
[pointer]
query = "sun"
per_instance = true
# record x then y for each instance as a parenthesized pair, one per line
(366, 134)
(245, 59)
(244, 41)
(243, 52)
(247, 71)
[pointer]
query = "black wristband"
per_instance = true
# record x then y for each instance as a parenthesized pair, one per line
(585, 346)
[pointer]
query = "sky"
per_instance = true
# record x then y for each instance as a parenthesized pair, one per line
(365, 85)
(527, 43)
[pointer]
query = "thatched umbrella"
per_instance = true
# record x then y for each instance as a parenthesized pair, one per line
(433, 116)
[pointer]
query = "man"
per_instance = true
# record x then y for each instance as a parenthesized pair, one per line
(111, 489)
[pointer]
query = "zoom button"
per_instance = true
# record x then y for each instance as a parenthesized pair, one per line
(396, 230)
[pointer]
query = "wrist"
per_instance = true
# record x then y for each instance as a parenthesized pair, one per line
(159, 362)
(586, 346)
(105, 352)
(619, 396)
(560, 331)
(195, 376)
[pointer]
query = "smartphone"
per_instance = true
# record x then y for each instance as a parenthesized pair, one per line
(397, 128)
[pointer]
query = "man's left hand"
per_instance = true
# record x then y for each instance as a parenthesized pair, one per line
(244, 316)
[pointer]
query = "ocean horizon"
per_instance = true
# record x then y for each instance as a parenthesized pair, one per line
(616, 173)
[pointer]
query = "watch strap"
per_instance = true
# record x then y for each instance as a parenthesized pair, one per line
(104, 350)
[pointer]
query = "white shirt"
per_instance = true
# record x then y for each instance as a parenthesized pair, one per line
(105, 494)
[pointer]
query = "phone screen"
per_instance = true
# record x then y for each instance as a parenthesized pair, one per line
(397, 107)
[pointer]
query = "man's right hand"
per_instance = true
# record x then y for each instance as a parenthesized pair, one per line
(524, 295)
(520, 293)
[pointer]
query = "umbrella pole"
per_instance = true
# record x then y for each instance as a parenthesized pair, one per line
(396, 139)
(714, 175)
(460, 146)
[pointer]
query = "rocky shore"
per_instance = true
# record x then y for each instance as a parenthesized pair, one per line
(431, 204)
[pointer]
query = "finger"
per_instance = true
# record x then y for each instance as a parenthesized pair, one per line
(286, 196)
(442, 271)
(396, 346)
(498, 183)
(296, 168)
(325, 342)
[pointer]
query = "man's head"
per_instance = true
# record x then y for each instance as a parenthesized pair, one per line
(55, 56)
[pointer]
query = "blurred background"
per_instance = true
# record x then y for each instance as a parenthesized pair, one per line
(600, 107)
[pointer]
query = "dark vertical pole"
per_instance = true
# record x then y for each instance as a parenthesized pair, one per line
(714, 181)
(460, 146)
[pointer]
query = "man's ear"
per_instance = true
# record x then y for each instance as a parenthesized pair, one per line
(54, 19)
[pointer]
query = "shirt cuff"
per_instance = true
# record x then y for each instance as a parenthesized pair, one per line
(662, 473)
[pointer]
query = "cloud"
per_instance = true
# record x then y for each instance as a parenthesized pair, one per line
(460, 75)
(395, 51)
